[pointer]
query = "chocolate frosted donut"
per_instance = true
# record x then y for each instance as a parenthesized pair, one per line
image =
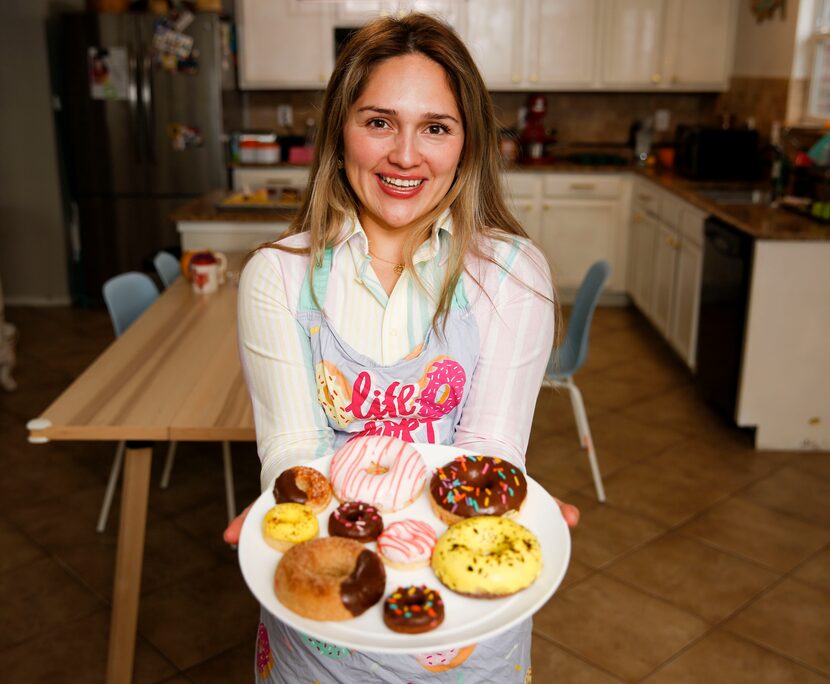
(356, 520)
(303, 485)
(476, 485)
(413, 610)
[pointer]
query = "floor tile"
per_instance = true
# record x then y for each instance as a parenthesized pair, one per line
(610, 393)
(722, 657)
(620, 629)
(791, 619)
(817, 464)
(560, 459)
(552, 664)
(774, 539)
(664, 495)
(37, 597)
(816, 571)
(174, 618)
(617, 435)
(75, 653)
(554, 413)
(693, 576)
(17, 549)
(577, 571)
(794, 492)
(234, 665)
(605, 533)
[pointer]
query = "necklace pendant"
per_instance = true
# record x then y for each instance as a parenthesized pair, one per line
(398, 268)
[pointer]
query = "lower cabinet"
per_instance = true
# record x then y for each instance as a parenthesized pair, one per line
(575, 219)
(665, 262)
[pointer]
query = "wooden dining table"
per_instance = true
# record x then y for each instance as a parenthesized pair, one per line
(174, 374)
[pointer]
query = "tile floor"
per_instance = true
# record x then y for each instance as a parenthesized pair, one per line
(709, 562)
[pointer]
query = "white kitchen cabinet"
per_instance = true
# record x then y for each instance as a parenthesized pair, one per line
(633, 33)
(682, 331)
(284, 44)
(699, 43)
(523, 192)
(666, 246)
(642, 235)
(562, 40)
(668, 44)
(494, 35)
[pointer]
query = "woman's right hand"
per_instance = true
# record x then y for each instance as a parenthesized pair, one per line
(234, 528)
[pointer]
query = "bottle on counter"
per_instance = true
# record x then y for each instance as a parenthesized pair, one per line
(780, 166)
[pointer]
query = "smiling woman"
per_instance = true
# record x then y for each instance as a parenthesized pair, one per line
(405, 301)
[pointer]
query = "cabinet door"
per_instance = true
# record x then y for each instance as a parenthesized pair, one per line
(666, 247)
(683, 329)
(642, 236)
(523, 193)
(699, 42)
(632, 43)
(284, 44)
(494, 36)
(575, 234)
(562, 42)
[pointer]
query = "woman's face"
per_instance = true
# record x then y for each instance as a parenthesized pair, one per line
(402, 142)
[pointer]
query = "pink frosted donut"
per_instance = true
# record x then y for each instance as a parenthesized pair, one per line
(382, 471)
(407, 544)
(441, 661)
(448, 377)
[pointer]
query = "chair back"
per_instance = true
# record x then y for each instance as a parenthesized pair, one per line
(574, 350)
(167, 266)
(127, 296)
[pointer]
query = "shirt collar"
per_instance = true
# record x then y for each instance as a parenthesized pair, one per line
(352, 232)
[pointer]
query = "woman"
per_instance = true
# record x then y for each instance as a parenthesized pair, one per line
(403, 255)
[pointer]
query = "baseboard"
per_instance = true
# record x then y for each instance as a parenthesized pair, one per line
(23, 300)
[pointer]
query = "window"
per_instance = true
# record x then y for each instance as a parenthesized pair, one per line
(818, 104)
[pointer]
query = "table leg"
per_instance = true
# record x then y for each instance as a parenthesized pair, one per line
(128, 562)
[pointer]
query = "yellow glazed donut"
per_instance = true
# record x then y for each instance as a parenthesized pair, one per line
(487, 557)
(287, 524)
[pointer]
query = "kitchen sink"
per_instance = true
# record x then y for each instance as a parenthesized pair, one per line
(735, 195)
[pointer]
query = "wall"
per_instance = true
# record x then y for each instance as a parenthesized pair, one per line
(32, 243)
(765, 49)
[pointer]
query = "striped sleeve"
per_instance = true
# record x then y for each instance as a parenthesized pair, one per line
(291, 427)
(516, 326)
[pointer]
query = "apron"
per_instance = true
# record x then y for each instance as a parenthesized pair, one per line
(417, 399)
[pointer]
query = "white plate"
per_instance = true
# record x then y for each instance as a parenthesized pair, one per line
(466, 621)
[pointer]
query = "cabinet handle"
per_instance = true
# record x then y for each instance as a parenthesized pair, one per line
(583, 186)
(655, 78)
(516, 78)
(674, 79)
(534, 78)
(644, 198)
(637, 217)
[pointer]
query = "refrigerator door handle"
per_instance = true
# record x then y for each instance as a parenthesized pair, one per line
(147, 102)
(132, 98)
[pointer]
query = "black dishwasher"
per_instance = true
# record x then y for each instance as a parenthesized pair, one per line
(724, 297)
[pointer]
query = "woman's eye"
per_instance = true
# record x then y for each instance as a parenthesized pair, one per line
(437, 129)
(376, 123)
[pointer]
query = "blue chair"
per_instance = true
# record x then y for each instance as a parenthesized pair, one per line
(127, 296)
(571, 355)
(167, 266)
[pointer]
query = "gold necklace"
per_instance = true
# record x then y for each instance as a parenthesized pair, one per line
(398, 268)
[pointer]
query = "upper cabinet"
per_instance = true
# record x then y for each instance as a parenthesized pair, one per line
(284, 44)
(518, 44)
(667, 44)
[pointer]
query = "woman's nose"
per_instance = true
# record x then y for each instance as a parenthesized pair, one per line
(405, 151)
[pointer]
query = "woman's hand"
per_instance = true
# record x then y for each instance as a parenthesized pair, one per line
(569, 512)
(234, 528)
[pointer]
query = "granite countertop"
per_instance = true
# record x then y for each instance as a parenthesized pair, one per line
(761, 221)
(204, 208)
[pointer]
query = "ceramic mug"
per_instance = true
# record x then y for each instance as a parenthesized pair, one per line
(207, 271)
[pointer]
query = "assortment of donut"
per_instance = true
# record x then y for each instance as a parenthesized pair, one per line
(482, 554)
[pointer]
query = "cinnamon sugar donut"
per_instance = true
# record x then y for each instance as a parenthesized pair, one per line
(305, 486)
(330, 578)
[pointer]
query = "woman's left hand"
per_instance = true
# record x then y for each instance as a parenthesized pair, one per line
(234, 528)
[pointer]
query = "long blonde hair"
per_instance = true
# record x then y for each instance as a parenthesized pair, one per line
(475, 199)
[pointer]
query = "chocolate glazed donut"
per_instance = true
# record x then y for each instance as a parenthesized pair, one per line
(356, 520)
(303, 485)
(413, 610)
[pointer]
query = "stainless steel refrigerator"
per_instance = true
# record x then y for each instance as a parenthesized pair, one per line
(139, 116)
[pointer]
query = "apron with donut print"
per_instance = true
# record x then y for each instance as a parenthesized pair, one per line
(417, 399)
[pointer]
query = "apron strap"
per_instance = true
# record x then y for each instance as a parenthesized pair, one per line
(321, 284)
